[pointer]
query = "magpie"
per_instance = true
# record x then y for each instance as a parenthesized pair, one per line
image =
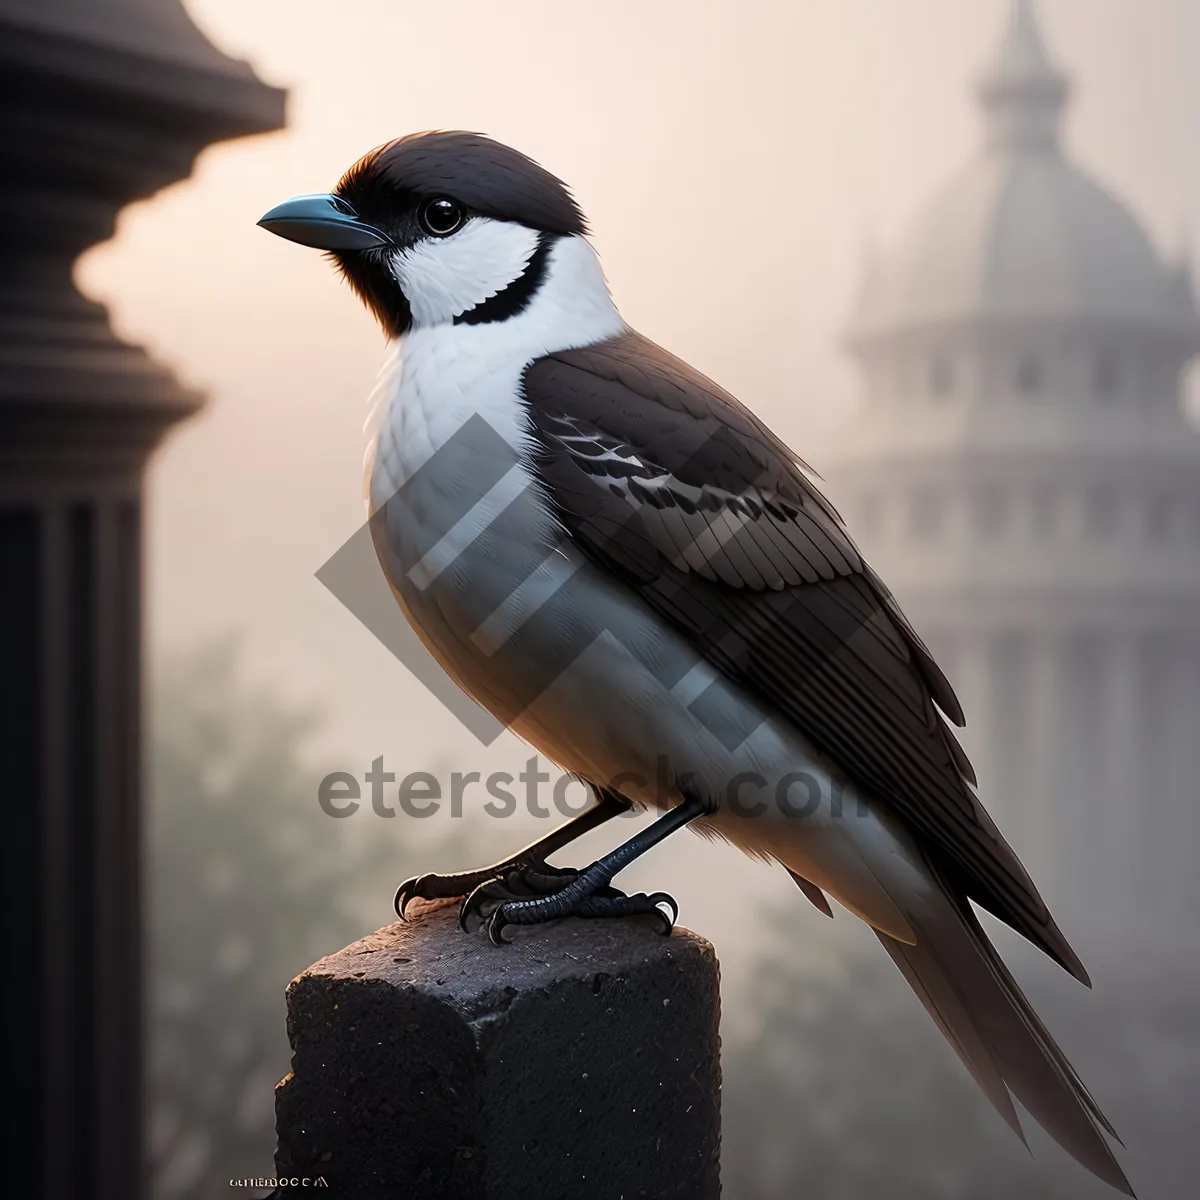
(619, 560)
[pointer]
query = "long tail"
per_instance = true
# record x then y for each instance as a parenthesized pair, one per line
(969, 992)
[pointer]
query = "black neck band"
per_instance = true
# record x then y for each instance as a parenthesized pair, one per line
(512, 299)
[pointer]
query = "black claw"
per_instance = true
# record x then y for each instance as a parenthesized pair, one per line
(661, 898)
(475, 908)
(495, 928)
(404, 894)
(426, 887)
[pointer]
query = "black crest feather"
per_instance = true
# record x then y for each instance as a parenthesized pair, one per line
(488, 177)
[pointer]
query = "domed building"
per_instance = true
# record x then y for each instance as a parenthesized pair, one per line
(1023, 475)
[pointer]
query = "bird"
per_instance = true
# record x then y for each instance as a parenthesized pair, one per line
(617, 559)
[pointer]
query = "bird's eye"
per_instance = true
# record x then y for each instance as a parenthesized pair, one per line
(441, 217)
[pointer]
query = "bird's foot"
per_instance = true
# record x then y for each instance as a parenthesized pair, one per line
(528, 876)
(526, 896)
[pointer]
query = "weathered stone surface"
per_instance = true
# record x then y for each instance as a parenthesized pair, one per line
(582, 1061)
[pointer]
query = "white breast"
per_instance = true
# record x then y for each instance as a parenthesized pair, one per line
(440, 375)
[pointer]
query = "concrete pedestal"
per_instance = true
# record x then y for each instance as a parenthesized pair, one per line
(581, 1060)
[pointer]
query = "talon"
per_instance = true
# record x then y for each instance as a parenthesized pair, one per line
(405, 894)
(496, 925)
(473, 906)
(661, 898)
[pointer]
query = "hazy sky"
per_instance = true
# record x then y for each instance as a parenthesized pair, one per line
(733, 157)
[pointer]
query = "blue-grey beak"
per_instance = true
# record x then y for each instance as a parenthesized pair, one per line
(324, 221)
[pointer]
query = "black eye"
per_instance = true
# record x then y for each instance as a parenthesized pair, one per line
(441, 217)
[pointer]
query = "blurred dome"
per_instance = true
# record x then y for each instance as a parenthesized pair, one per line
(1022, 232)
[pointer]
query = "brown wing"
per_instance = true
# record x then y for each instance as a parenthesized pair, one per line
(672, 484)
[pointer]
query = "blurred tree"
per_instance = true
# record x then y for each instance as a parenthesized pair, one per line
(249, 883)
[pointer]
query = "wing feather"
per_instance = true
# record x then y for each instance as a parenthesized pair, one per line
(671, 484)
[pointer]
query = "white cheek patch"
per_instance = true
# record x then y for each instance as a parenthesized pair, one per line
(443, 277)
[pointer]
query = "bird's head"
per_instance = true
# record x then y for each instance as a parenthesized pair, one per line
(437, 227)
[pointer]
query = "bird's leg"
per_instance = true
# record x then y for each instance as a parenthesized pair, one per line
(527, 870)
(589, 892)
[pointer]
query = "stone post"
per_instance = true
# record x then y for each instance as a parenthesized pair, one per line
(101, 102)
(582, 1060)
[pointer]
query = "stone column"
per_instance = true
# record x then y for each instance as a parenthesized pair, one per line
(1180, 893)
(1133, 793)
(1010, 666)
(1046, 692)
(976, 684)
(101, 102)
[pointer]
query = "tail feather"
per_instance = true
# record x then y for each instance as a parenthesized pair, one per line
(936, 991)
(1037, 1029)
(973, 998)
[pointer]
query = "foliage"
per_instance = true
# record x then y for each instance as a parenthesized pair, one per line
(249, 882)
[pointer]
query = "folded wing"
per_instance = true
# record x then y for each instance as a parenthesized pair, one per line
(669, 482)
